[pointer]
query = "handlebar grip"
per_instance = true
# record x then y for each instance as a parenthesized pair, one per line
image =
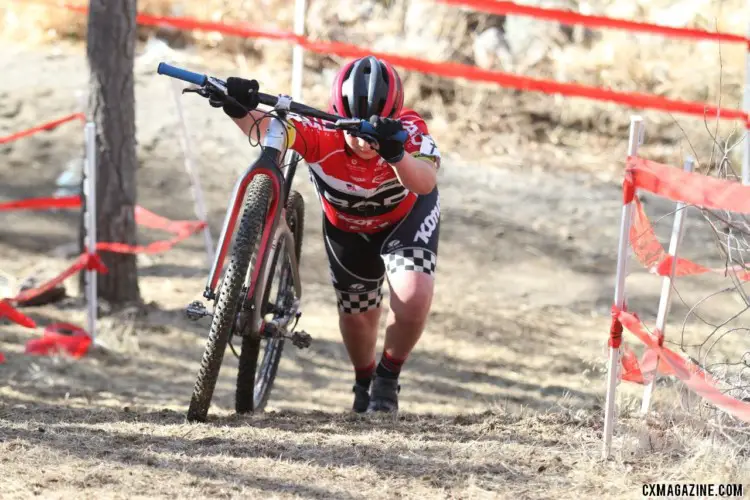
(181, 74)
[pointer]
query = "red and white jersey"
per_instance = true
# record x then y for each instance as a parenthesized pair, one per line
(359, 195)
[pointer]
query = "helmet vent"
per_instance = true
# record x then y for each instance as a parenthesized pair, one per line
(362, 107)
(347, 111)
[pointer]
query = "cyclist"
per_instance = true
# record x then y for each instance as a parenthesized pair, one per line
(382, 215)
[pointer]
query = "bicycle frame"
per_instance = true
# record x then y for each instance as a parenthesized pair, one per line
(275, 227)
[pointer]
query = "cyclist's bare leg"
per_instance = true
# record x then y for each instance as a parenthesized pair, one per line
(410, 302)
(360, 334)
(411, 298)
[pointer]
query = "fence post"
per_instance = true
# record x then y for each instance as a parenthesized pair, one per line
(635, 140)
(90, 224)
(665, 299)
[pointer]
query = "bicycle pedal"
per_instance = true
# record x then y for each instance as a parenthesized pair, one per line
(196, 310)
(301, 339)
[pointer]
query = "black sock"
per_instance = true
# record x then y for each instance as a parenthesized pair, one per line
(389, 367)
(363, 376)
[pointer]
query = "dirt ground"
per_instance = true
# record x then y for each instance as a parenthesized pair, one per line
(502, 398)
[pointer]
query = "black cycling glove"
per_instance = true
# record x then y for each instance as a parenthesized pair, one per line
(390, 148)
(242, 97)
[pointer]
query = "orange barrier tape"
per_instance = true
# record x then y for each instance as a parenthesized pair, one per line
(181, 230)
(445, 69)
(42, 203)
(42, 127)
(631, 367)
(689, 373)
(150, 220)
(633, 370)
(60, 337)
(156, 247)
(691, 187)
(85, 261)
(652, 256)
(7, 311)
(501, 8)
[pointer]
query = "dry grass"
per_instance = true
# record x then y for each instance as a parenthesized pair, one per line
(60, 448)
(491, 121)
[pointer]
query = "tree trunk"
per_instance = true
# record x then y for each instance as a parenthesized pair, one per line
(111, 52)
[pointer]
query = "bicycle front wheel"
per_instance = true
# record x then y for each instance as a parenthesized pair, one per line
(231, 296)
(256, 376)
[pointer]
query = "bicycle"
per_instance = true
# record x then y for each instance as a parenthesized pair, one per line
(270, 229)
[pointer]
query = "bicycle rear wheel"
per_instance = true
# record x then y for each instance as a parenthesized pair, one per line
(255, 379)
(231, 295)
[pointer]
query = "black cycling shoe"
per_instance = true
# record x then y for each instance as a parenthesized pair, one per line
(361, 398)
(384, 395)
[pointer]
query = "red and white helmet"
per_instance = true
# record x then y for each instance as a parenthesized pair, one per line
(367, 86)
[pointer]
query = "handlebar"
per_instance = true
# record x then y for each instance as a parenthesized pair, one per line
(182, 74)
(355, 126)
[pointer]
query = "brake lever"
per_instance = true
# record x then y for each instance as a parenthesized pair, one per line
(201, 91)
(345, 124)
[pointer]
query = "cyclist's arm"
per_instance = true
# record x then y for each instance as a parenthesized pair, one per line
(302, 135)
(417, 170)
(415, 174)
(255, 121)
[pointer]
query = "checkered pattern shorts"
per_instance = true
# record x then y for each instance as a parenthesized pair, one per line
(359, 263)
(410, 259)
(350, 302)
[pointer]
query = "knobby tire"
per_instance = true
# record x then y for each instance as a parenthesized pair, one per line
(224, 317)
(251, 345)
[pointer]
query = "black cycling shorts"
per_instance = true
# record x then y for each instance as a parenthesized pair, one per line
(358, 261)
